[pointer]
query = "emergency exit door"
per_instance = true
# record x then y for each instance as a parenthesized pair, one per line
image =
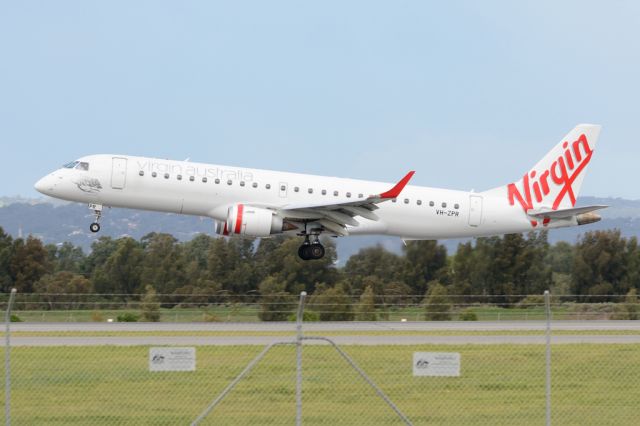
(475, 210)
(118, 172)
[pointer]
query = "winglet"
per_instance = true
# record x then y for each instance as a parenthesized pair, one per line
(396, 190)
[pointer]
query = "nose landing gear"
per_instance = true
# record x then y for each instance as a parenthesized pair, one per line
(97, 211)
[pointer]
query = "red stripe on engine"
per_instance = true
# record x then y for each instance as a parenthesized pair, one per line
(239, 218)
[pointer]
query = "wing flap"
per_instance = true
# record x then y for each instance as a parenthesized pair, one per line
(564, 213)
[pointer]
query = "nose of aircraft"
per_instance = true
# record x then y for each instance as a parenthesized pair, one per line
(45, 185)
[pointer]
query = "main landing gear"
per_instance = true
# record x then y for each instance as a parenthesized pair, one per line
(97, 211)
(311, 250)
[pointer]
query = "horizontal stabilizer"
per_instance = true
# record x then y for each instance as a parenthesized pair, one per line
(563, 213)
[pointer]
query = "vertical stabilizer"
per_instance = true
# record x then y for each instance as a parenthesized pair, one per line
(554, 182)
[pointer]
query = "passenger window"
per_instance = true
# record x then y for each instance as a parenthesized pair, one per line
(192, 178)
(204, 179)
(166, 175)
(254, 184)
(310, 190)
(456, 206)
(283, 188)
(335, 193)
(179, 177)
(444, 205)
(154, 174)
(296, 189)
(431, 204)
(217, 181)
(419, 202)
(394, 200)
(406, 201)
(324, 192)
(141, 172)
(348, 195)
(268, 186)
(360, 196)
(229, 182)
(241, 183)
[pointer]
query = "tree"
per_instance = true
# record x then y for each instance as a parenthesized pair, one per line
(462, 270)
(296, 274)
(424, 261)
(150, 305)
(366, 307)
(332, 304)
(6, 253)
(599, 264)
(372, 263)
(101, 250)
(28, 263)
(275, 304)
(64, 289)
(121, 271)
(162, 264)
(68, 258)
(437, 303)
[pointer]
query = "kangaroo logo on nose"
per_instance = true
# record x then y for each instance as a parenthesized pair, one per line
(90, 185)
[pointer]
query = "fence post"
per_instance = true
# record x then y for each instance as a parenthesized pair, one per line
(299, 319)
(7, 359)
(547, 305)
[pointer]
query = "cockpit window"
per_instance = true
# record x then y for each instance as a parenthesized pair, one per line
(70, 165)
(82, 166)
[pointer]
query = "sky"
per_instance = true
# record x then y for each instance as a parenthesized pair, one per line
(469, 94)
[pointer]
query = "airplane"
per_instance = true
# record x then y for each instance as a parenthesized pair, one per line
(261, 203)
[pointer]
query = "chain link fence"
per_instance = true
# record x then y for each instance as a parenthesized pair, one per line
(70, 365)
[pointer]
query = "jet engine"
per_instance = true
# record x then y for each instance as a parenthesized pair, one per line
(251, 221)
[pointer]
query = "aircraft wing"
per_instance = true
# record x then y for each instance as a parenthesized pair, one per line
(336, 214)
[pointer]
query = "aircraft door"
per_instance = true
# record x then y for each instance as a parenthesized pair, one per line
(475, 210)
(118, 172)
(282, 187)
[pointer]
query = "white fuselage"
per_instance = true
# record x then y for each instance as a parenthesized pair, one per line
(209, 190)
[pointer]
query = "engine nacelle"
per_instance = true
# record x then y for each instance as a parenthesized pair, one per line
(220, 227)
(251, 221)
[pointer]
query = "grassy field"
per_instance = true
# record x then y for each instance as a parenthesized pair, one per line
(249, 313)
(499, 385)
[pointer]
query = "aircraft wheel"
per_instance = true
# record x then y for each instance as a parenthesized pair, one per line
(303, 252)
(94, 227)
(316, 251)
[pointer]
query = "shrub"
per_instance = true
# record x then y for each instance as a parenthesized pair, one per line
(150, 305)
(437, 304)
(128, 317)
(531, 301)
(209, 317)
(468, 315)
(366, 307)
(96, 316)
(15, 318)
(306, 316)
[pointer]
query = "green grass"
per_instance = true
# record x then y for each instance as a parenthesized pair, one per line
(499, 385)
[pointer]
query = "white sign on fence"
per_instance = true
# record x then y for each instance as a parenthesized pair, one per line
(436, 364)
(172, 359)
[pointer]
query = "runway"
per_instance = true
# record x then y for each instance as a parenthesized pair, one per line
(350, 333)
(356, 326)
